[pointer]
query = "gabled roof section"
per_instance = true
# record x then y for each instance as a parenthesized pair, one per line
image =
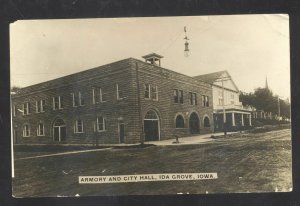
(211, 77)
(215, 78)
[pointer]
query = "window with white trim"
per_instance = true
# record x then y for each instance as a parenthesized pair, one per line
(147, 91)
(98, 95)
(193, 98)
(40, 106)
(57, 102)
(26, 108)
(78, 126)
(205, 101)
(154, 93)
(78, 100)
(120, 94)
(40, 129)
(101, 124)
(26, 130)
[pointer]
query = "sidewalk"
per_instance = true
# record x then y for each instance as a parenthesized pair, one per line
(198, 139)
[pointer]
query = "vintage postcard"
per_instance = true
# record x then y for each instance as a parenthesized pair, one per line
(151, 106)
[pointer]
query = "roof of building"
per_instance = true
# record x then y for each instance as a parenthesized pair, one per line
(152, 55)
(211, 77)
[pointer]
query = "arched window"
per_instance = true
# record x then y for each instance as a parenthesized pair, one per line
(151, 115)
(179, 121)
(206, 122)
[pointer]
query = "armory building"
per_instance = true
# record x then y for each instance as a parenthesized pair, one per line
(128, 101)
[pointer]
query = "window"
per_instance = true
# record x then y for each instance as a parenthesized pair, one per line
(78, 126)
(220, 101)
(26, 130)
(26, 108)
(120, 94)
(40, 106)
(154, 93)
(206, 122)
(101, 126)
(57, 102)
(205, 101)
(40, 129)
(98, 95)
(147, 91)
(193, 98)
(232, 98)
(181, 96)
(176, 98)
(179, 121)
(77, 100)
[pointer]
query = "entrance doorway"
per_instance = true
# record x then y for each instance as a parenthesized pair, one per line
(122, 131)
(59, 130)
(194, 123)
(151, 126)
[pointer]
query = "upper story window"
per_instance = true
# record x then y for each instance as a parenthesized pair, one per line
(26, 130)
(101, 124)
(78, 126)
(120, 94)
(150, 92)
(98, 96)
(147, 91)
(178, 96)
(193, 98)
(40, 130)
(220, 101)
(40, 106)
(78, 100)
(26, 108)
(231, 98)
(154, 93)
(57, 102)
(205, 101)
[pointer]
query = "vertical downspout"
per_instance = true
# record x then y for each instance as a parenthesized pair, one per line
(139, 104)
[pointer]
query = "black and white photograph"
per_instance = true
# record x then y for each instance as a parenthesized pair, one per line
(150, 106)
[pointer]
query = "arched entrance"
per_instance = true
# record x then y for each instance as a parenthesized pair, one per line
(194, 123)
(59, 130)
(151, 126)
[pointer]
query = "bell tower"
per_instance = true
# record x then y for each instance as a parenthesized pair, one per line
(153, 58)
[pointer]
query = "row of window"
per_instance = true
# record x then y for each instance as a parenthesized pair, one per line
(150, 93)
(178, 98)
(179, 123)
(99, 126)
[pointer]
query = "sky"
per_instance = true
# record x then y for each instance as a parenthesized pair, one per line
(250, 47)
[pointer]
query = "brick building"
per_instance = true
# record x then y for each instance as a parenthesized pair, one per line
(128, 101)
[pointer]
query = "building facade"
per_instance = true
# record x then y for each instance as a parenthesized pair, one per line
(229, 113)
(128, 101)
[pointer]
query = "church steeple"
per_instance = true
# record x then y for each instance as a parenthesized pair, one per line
(267, 86)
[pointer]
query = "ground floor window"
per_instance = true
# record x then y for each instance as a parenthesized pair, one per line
(179, 121)
(40, 129)
(101, 124)
(206, 122)
(79, 126)
(26, 130)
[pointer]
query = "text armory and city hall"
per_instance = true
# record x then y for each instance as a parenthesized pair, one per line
(128, 101)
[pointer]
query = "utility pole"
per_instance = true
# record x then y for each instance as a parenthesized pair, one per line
(224, 113)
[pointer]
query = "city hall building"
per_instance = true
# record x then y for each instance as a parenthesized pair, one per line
(128, 101)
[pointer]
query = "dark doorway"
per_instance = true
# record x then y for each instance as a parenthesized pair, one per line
(122, 132)
(151, 126)
(194, 124)
(59, 130)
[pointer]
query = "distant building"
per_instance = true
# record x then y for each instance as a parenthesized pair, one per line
(226, 100)
(128, 101)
